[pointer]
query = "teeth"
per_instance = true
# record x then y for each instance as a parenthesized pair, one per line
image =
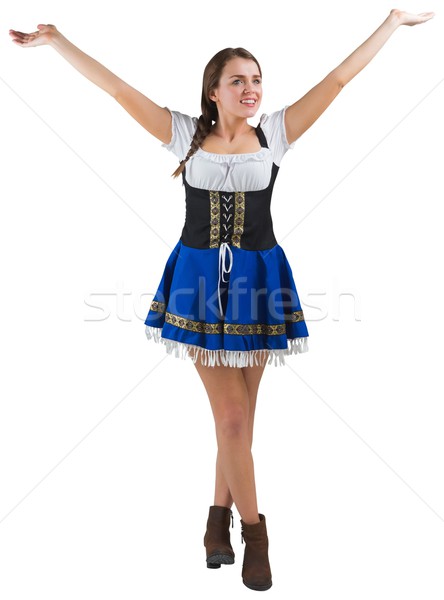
(248, 101)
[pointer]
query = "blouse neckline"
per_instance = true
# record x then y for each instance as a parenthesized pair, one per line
(233, 157)
(231, 153)
(260, 136)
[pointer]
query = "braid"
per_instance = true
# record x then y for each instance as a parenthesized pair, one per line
(203, 128)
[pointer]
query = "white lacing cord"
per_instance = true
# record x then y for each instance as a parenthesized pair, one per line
(223, 248)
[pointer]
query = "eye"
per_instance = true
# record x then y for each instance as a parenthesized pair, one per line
(236, 81)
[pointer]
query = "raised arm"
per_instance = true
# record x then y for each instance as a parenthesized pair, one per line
(153, 118)
(305, 111)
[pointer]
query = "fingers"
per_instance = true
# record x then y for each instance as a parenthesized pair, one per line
(22, 35)
(416, 19)
(36, 38)
(22, 38)
(423, 17)
(17, 37)
(18, 33)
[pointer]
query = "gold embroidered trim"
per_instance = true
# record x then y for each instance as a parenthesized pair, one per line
(158, 306)
(195, 326)
(239, 216)
(235, 328)
(254, 329)
(214, 219)
(226, 328)
(296, 316)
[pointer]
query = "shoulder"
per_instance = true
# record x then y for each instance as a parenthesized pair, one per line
(273, 126)
(182, 130)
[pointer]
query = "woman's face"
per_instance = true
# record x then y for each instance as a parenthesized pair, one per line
(240, 81)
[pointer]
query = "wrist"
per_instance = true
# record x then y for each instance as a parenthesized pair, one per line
(395, 17)
(56, 39)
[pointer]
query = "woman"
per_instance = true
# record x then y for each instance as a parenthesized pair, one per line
(227, 297)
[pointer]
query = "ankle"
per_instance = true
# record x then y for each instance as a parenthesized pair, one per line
(221, 505)
(251, 521)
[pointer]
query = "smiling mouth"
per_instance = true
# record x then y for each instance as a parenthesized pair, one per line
(251, 102)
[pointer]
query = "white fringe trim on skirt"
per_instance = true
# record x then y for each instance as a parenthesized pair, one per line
(230, 358)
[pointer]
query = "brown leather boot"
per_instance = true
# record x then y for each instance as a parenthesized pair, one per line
(217, 537)
(256, 572)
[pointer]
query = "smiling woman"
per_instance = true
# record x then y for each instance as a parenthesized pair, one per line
(227, 297)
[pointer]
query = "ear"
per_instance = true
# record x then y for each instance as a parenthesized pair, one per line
(212, 96)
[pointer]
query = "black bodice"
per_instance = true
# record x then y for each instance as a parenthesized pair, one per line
(241, 219)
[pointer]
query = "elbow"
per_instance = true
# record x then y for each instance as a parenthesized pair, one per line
(115, 93)
(338, 78)
(118, 89)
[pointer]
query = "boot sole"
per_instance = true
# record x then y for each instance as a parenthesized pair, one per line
(259, 588)
(216, 560)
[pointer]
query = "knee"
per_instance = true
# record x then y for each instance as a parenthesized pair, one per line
(233, 422)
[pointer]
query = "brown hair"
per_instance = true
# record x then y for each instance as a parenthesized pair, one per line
(211, 77)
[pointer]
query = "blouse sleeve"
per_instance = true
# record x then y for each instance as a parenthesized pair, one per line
(183, 128)
(273, 126)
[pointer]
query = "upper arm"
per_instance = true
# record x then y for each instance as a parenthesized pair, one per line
(151, 116)
(304, 112)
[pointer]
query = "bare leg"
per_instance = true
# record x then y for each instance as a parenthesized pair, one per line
(252, 376)
(228, 394)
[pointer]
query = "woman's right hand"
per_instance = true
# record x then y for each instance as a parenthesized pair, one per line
(37, 38)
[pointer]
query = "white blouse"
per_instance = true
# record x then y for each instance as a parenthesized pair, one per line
(230, 172)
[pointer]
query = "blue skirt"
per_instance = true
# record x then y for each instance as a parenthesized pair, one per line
(236, 316)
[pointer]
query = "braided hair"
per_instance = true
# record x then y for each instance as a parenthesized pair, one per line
(211, 77)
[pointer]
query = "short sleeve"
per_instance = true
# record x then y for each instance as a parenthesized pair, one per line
(273, 126)
(183, 128)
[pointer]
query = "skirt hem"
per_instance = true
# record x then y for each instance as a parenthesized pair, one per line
(230, 358)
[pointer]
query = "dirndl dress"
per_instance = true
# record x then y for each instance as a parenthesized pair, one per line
(227, 295)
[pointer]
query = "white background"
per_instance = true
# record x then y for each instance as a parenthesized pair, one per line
(107, 443)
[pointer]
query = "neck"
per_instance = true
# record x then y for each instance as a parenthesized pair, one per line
(230, 127)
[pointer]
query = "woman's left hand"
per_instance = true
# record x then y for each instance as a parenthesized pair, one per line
(406, 18)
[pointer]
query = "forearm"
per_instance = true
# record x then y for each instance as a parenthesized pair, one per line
(86, 65)
(367, 50)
